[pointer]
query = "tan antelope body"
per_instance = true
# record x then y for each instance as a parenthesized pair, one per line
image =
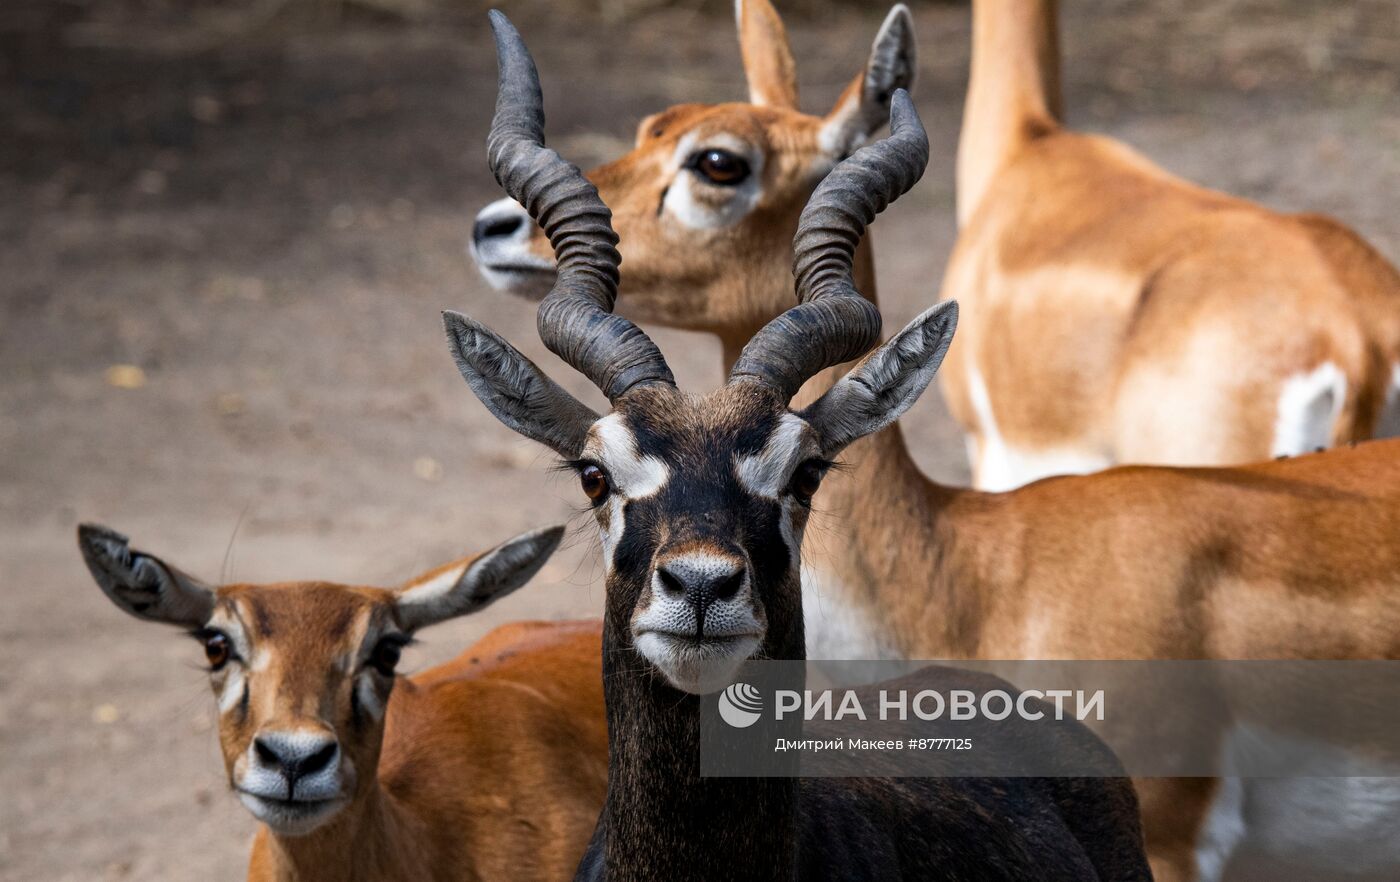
(1294, 559)
(1117, 314)
(492, 766)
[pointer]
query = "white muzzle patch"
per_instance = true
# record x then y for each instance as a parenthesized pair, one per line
(700, 623)
(291, 804)
(500, 246)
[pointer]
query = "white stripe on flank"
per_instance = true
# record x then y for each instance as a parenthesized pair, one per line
(997, 466)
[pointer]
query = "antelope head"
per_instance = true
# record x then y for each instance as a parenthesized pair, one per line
(707, 201)
(303, 671)
(700, 501)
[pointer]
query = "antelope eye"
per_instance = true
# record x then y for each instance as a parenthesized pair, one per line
(595, 483)
(807, 479)
(385, 656)
(217, 650)
(720, 167)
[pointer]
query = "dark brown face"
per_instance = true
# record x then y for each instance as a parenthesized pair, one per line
(701, 503)
(302, 673)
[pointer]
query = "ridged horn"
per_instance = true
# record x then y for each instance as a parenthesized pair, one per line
(832, 322)
(575, 320)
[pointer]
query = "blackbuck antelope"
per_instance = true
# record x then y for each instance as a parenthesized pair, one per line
(1117, 314)
(701, 502)
(706, 204)
(492, 766)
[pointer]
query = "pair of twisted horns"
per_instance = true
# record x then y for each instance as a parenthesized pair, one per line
(831, 324)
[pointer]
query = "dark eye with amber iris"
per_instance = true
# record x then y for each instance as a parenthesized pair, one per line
(720, 167)
(594, 482)
(386, 656)
(807, 480)
(217, 650)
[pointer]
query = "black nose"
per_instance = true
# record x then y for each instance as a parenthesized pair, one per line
(496, 227)
(701, 582)
(295, 755)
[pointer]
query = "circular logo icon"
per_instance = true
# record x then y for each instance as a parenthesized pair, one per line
(740, 705)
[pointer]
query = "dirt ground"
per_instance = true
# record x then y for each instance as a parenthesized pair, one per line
(267, 229)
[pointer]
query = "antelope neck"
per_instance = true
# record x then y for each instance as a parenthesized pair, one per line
(661, 820)
(1013, 92)
(874, 559)
(369, 840)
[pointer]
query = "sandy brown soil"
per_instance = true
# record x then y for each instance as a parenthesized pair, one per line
(268, 230)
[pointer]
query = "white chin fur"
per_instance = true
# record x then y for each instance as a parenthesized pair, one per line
(291, 819)
(697, 668)
(532, 283)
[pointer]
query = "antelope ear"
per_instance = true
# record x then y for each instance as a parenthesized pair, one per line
(473, 583)
(141, 584)
(512, 388)
(768, 62)
(886, 383)
(865, 105)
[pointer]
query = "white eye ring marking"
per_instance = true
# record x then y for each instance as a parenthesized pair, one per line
(232, 690)
(231, 679)
(631, 475)
(767, 472)
(682, 201)
(367, 691)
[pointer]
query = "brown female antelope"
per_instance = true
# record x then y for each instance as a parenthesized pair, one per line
(701, 503)
(491, 766)
(712, 181)
(1115, 313)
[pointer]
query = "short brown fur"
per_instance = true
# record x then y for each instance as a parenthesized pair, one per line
(493, 765)
(1119, 314)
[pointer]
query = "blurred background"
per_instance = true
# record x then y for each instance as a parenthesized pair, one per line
(227, 231)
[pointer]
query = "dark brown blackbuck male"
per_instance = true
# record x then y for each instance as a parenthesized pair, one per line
(701, 502)
(490, 767)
